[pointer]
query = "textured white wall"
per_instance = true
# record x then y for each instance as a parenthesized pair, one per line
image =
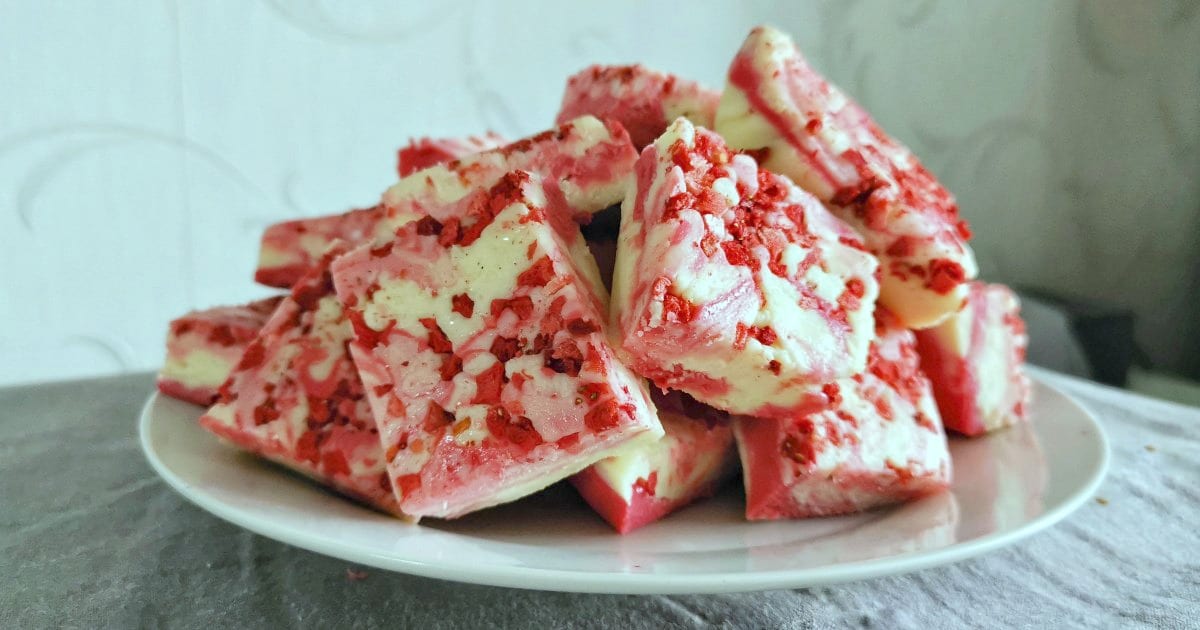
(144, 145)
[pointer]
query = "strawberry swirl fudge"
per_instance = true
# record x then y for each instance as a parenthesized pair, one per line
(735, 286)
(647, 482)
(420, 154)
(776, 107)
(295, 396)
(203, 346)
(586, 166)
(644, 101)
(481, 342)
(880, 442)
(976, 359)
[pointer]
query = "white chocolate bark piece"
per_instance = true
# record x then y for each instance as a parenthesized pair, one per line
(422, 153)
(585, 163)
(649, 481)
(482, 345)
(880, 442)
(203, 346)
(295, 396)
(776, 107)
(976, 362)
(644, 101)
(735, 286)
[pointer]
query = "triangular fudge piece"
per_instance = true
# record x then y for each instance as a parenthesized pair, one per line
(203, 346)
(649, 481)
(481, 343)
(295, 397)
(644, 101)
(976, 362)
(585, 163)
(880, 442)
(778, 108)
(734, 285)
(422, 153)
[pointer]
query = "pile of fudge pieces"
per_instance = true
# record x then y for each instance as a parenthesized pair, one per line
(787, 292)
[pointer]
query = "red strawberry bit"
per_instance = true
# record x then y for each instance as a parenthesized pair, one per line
(708, 244)
(436, 418)
(254, 356)
(308, 447)
(566, 358)
(945, 275)
(451, 366)
(602, 416)
(833, 393)
(450, 233)
(591, 392)
(765, 335)
(382, 251)
(646, 485)
(741, 336)
(222, 335)
(737, 254)
(463, 305)
(580, 326)
(964, 230)
(540, 273)
(396, 408)
(367, 336)
(335, 463)
(382, 390)
(265, 412)
(518, 380)
(429, 226)
(489, 383)
(408, 484)
(678, 309)
(522, 306)
(505, 348)
(438, 342)
(774, 366)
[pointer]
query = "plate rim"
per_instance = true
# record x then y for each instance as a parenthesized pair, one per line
(560, 580)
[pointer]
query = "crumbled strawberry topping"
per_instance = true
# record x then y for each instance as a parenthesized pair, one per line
(463, 305)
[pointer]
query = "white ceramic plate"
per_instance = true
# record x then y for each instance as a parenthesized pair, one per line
(1007, 486)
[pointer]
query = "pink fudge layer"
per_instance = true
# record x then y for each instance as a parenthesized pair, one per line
(880, 442)
(778, 108)
(644, 101)
(587, 165)
(734, 285)
(203, 346)
(480, 339)
(976, 360)
(295, 397)
(422, 153)
(647, 482)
